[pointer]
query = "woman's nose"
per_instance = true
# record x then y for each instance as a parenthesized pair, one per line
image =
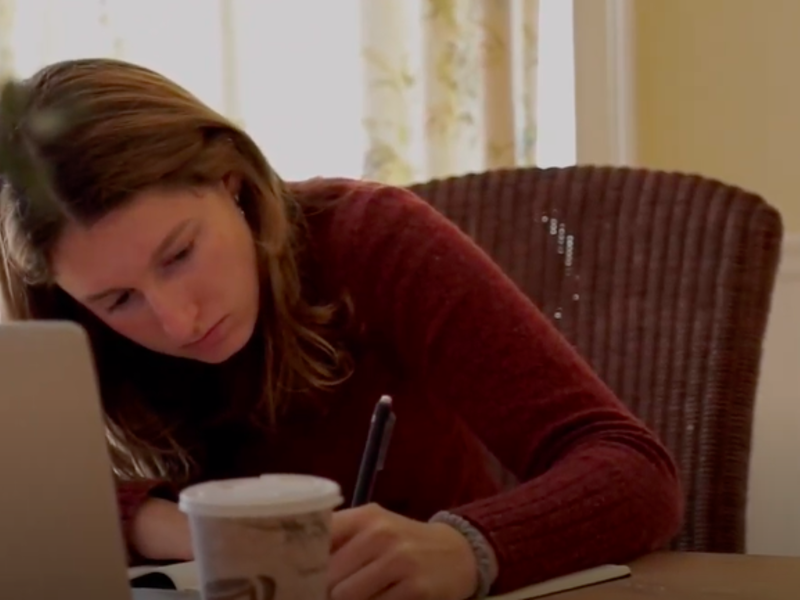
(178, 316)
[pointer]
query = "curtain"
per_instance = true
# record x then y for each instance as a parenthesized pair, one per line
(450, 86)
(391, 90)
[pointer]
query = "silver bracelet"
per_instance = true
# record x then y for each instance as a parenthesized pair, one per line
(480, 547)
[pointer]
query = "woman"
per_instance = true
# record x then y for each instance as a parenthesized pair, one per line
(243, 325)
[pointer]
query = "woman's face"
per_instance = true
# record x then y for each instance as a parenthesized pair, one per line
(173, 270)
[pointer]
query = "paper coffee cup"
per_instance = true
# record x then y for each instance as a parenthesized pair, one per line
(262, 538)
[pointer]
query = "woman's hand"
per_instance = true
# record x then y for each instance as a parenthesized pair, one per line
(160, 531)
(379, 555)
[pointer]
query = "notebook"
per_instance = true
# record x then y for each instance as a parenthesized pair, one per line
(184, 578)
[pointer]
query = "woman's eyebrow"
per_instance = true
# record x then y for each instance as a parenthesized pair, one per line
(162, 247)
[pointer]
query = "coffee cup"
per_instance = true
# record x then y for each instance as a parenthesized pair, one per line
(262, 538)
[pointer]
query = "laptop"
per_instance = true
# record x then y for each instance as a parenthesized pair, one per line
(60, 535)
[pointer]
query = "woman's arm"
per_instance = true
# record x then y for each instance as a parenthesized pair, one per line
(597, 486)
(153, 527)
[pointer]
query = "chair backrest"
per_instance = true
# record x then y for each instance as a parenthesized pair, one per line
(663, 282)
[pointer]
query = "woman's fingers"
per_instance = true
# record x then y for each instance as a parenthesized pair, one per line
(359, 537)
(379, 555)
(368, 582)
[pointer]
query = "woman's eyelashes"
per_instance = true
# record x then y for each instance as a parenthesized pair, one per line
(182, 255)
(120, 301)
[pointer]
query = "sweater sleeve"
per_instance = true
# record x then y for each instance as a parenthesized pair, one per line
(596, 485)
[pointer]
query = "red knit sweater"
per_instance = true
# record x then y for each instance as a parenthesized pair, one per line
(472, 366)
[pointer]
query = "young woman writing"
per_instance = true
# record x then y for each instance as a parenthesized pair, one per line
(244, 325)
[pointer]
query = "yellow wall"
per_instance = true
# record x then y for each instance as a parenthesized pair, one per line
(718, 92)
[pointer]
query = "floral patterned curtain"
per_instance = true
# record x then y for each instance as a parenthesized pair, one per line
(450, 86)
(6, 49)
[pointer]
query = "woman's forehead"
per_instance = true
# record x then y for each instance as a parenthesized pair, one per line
(120, 246)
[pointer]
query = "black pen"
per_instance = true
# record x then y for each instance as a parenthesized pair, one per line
(380, 432)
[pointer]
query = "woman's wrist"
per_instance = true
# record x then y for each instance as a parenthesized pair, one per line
(160, 531)
(485, 557)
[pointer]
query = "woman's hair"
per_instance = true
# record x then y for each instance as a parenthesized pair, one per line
(133, 129)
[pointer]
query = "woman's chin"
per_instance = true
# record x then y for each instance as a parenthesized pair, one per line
(232, 338)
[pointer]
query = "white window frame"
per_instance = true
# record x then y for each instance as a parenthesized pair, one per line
(605, 108)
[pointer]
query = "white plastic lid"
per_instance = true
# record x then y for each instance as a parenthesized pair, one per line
(266, 496)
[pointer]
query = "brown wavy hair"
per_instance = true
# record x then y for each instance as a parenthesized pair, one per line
(133, 129)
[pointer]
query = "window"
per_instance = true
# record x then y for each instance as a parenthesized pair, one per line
(293, 80)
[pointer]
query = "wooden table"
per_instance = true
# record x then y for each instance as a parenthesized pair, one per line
(676, 576)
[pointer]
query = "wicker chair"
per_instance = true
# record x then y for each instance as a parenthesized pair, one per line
(663, 282)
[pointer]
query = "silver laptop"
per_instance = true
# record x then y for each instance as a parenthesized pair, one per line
(59, 526)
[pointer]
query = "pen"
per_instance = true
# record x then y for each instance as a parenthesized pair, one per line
(380, 432)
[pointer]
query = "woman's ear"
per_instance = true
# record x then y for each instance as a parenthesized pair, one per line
(233, 184)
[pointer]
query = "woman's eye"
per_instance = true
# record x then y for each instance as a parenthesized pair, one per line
(182, 255)
(120, 302)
